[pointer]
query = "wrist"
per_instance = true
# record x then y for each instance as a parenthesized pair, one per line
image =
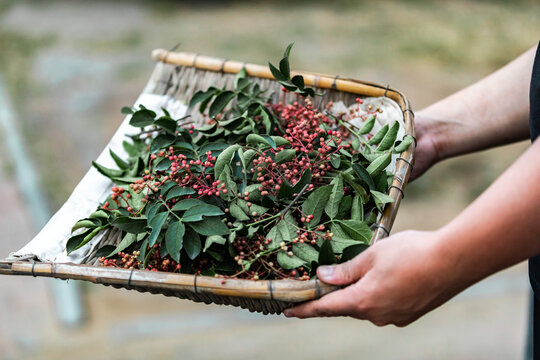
(458, 262)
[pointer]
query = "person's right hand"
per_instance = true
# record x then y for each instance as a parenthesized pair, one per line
(426, 153)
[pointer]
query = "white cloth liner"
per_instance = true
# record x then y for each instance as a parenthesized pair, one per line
(49, 244)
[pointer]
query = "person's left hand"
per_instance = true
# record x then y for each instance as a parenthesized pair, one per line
(395, 281)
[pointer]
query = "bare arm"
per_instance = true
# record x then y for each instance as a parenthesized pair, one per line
(401, 278)
(492, 112)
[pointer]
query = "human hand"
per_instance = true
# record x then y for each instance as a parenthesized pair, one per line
(395, 281)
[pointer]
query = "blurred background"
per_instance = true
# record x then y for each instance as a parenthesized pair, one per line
(66, 69)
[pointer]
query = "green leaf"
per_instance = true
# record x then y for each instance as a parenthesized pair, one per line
(305, 252)
(288, 85)
(287, 51)
(174, 238)
(363, 175)
(214, 239)
(289, 262)
(256, 139)
(266, 120)
(130, 224)
(381, 199)
(211, 225)
(179, 191)
(344, 207)
(315, 203)
(368, 126)
(285, 155)
(240, 81)
(131, 149)
(284, 230)
(254, 207)
(192, 243)
(341, 239)
(335, 160)
(75, 241)
(279, 141)
(224, 159)
(220, 102)
(156, 224)
(254, 193)
(298, 80)
(238, 213)
(119, 162)
(285, 191)
(85, 240)
(110, 173)
(404, 145)
(277, 73)
(196, 213)
(166, 123)
(357, 208)
(162, 141)
(215, 147)
(326, 254)
(352, 251)
(303, 181)
(379, 164)
(285, 68)
(127, 240)
(249, 155)
(186, 204)
(225, 177)
(388, 140)
(202, 96)
(379, 135)
(103, 251)
(357, 230)
(381, 182)
(100, 214)
(336, 194)
(152, 209)
(142, 118)
(126, 110)
(86, 223)
(166, 187)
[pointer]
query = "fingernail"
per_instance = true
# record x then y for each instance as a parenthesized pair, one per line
(325, 271)
(287, 313)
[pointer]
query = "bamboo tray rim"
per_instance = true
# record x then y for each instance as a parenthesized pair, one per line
(278, 290)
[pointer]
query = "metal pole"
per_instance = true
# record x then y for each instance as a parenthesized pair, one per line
(67, 296)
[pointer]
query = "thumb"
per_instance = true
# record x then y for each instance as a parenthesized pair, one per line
(344, 274)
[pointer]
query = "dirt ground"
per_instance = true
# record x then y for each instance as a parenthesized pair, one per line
(70, 66)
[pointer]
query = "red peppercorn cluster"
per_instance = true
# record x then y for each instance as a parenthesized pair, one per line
(188, 173)
(314, 138)
(157, 263)
(130, 261)
(123, 260)
(312, 143)
(257, 261)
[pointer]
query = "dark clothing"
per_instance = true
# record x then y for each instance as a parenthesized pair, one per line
(534, 124)
(534, 263)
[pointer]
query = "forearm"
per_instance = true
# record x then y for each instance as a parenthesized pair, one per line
(499, 229)
(492, 112)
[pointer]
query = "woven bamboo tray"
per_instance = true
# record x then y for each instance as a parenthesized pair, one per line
(180, 75)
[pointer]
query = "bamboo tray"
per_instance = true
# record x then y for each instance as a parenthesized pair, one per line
(180, 75)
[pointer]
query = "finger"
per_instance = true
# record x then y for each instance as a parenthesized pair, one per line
(346, 273)
(337, 303)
